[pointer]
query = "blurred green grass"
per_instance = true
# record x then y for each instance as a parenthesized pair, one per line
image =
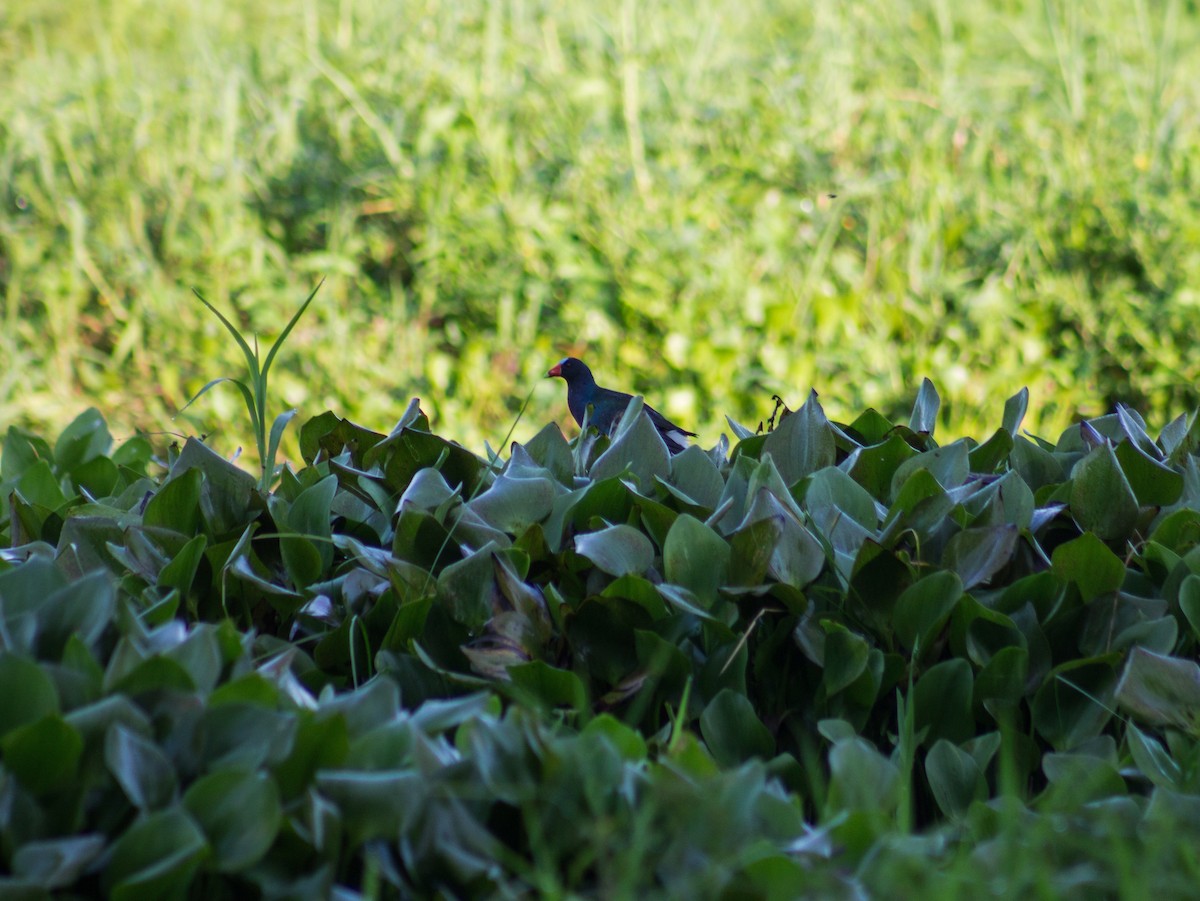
(491, 185)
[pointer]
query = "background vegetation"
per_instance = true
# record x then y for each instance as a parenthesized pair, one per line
(487, 185)
(834, 661)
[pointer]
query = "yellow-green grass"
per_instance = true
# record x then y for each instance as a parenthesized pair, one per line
(489, 185)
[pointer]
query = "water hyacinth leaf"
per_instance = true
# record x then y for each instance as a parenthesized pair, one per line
(549, 448)
(1036, 465)
(1088, 562)
(950, 465)
(1189, 602)
(1003, 678)
(732, 730)
(696, 558)
(156, 857)
(512, 505)
(846, 656)
(58, 862)
(176, 505)
(467, 588)
(1161, 690)
(978, 554)
(752, 548)
(141, 768)
(1080, 778)
(925, 409)
(86, 438)
(924, 608)
(38, 485)
(874, 467)
(28, 694)
(84, 609)
(548, 685)
(181, 571)
(871, 426)
(954, 777)
(1074, 702)
(637, 448)
(1014, 411)
(802, 443)
(373, 804)
(695, 474)
(618, 550)
(1154, 484)
(330, 436)
(44, 755)
(861, 778)
(239, 812)
(1153, 760)
(943, 701)
(1101, 499)
(627, 741)
(833, 489)
(245, 736)
(987, 457)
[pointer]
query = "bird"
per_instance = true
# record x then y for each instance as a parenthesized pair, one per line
(608, 405)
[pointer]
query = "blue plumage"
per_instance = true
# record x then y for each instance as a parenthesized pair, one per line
(608, 405)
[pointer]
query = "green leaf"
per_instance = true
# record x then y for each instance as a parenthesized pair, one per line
(549, 448)
(1161, 690)
(1074, 703)
(955, 778)
(240, 814)
(1087, 562)
(697, 558)
(548, 685)
(846, 655)
(628, 742)
(802, 443)
(1154, 484)
(155, 858)
(875, 467)
(181, 571)
(987, 457)
(925, 409)
(861, 778)
(924, 607)
(978, 554)
(143, 771)
(38, 485)
(1014, 411)
(1153, 760)
(732, 730)
(1189, 602)
(86, 438)
(697, 476)
(56, 863)
(83, 609)
(1002, 679)
(618, 550)
(942, 699)
(831, 488)
(43, 754)
(176, 505)
(950, 465)
(28, 693)
(637, 448)
(512, 505)
(1101, 499)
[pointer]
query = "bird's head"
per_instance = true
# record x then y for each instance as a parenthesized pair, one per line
(570, 370)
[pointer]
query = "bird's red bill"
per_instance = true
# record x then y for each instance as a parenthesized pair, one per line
(555, 371)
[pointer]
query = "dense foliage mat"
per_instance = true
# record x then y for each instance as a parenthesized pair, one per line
(830, 658)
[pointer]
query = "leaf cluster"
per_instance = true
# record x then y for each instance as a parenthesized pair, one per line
(833, 657)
